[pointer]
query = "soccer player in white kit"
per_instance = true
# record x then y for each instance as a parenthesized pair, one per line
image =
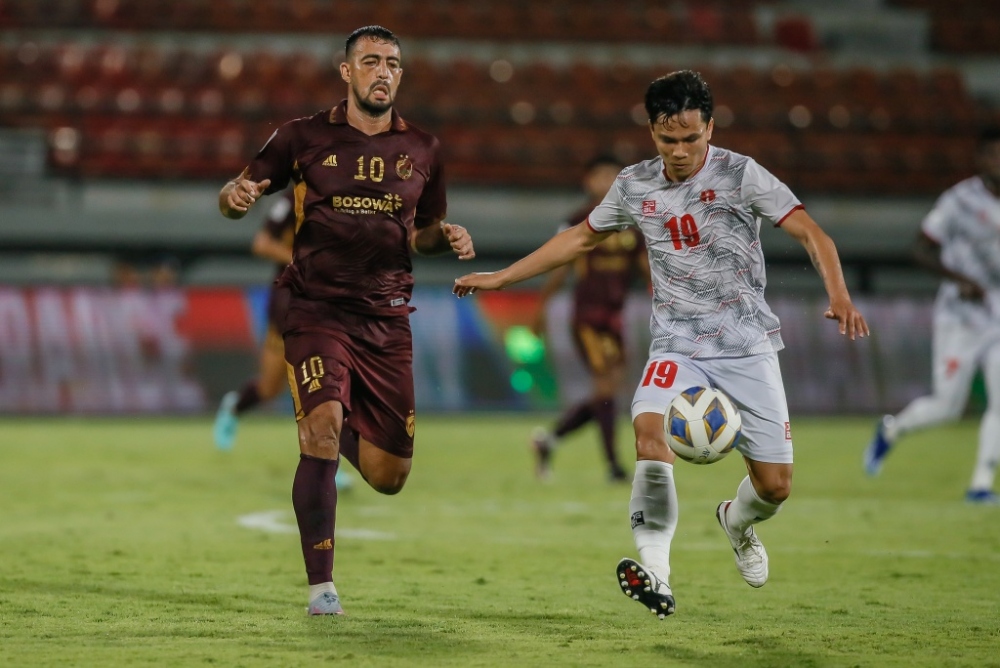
(699, 208)
(960, 241)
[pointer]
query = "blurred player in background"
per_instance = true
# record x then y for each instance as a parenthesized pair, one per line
(960, 242)
(369, 191)
(272, 242)
(699, 208)
(603, 278)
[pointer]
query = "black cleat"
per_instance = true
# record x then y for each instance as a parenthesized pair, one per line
(640, 584)
(617, 475)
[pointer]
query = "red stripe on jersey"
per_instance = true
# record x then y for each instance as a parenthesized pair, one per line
(790, 212)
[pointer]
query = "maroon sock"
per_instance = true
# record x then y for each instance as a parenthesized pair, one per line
(249, 397)
(574, 418)
(314, 497)
(604, 413)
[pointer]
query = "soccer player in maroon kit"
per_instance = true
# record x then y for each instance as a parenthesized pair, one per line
(272, 242)
(603, 279)
(369, 190)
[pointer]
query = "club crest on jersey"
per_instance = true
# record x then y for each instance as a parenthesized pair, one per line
(404, 167)
(707, 196)
(648, 207)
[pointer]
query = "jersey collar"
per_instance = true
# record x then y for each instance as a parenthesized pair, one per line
(338, 116)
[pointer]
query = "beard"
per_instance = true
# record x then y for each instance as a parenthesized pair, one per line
(373, 107)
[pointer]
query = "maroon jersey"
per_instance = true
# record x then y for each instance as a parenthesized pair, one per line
(358, 198)
(605, 274)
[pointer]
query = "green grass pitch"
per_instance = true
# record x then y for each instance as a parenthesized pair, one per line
(121, 545)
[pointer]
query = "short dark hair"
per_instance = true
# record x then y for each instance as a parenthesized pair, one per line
(601, 160)
(678, 92)
(372, 32)
(989, 135)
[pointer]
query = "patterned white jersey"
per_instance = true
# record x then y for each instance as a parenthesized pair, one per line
(703, 240)
(966, 222)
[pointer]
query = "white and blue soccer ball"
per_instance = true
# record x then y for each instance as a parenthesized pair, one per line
(702, 425)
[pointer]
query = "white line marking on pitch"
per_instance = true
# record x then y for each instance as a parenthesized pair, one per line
(276, 521)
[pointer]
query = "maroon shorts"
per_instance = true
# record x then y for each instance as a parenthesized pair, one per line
(599, 340)
(365, 363)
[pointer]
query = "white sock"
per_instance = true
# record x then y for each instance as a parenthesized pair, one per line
(316, 590)
(653, 510)
(890, 428)
(989, 451)
(748, 508)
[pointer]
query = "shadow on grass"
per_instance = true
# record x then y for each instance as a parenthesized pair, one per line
(765, 651)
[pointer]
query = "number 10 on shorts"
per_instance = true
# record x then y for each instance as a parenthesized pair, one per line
(312, 371)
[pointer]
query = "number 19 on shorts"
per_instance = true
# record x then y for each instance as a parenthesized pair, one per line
(660, 373)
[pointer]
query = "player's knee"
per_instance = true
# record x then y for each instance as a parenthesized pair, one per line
(319, 439)
(320, 446)
(270, 388)
(388, 482)
(652, 447)
(319, 432)
(947, 408)
(776, 491)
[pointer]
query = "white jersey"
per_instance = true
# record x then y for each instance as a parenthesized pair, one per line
(966, 222)
(703, 240)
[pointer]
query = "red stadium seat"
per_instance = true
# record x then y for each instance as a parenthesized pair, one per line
(795, 33)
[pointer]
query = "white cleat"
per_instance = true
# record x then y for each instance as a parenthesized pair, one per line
(751, 557)
(325, 604)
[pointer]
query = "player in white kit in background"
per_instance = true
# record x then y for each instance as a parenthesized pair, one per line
(699, 209)
(960, 241)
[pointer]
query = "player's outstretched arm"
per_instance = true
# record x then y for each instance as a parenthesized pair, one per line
(238, 195)
(560, 249)
(927, 254)
(267, 247)
(823, 254)
(441, 238)
(557, 277)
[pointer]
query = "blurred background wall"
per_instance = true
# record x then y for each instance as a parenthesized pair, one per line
(122, 289)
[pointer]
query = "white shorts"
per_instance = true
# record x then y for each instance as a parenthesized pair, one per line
(958, 352)
(753, 383)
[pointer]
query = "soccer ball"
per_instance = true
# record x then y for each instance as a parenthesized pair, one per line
(702, 425)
